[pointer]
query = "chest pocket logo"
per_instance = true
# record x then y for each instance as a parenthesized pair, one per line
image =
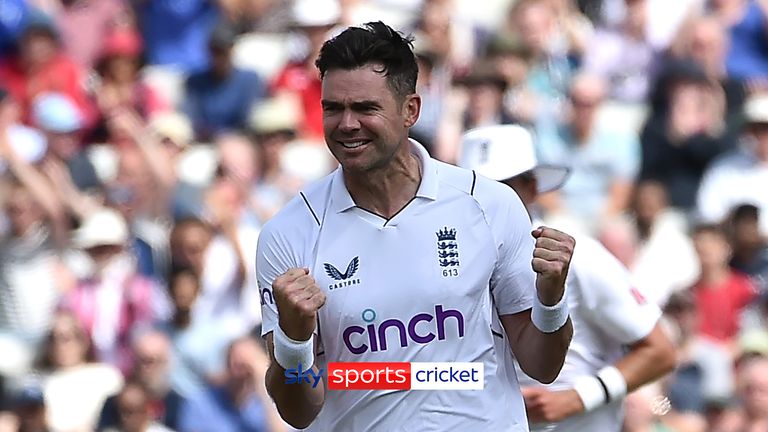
(346, 278)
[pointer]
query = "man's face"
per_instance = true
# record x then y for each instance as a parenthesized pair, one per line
(363, 121)
(760, 132)
(152, 356)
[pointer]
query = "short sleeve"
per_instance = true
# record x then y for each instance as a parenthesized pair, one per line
(272, 259)
(613, 303)
(513, 281)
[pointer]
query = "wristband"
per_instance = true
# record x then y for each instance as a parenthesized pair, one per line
(293, 354)
(549, 319)
(605, 387)
(615, 384)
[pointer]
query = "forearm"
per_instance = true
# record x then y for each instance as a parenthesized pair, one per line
(298, 404)
(647, 360)
(544, 355)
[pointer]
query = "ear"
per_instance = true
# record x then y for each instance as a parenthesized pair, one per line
(411, 109)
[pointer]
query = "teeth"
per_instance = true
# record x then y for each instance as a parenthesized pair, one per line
(351, 145)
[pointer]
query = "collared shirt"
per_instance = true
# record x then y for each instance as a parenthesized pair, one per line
(426, 285)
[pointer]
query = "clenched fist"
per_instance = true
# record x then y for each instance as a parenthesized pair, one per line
(551, 258)
(298, 298)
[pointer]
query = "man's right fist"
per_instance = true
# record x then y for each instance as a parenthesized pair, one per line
(298, 298)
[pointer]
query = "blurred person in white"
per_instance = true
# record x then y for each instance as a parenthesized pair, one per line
(652, 241)
(199, 345)
(646, 411)
(451, 38)
(664, 18)
(604, 159)
(752, 394)
(75, 384)
(311, 23)
(704, 373)
(152, 372)
(111, 297)
(618, 343)
(274, 127)
(135, 411)
(32, 272)
(241, 402)
(214, 254)
(739, 177)
(623, 56)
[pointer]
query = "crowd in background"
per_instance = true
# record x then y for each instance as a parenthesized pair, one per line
(144, 143)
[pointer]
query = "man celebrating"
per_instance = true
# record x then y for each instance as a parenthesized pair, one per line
(394, 238)
(608, 313)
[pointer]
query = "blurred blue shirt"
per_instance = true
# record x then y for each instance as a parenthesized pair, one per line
(213, 411)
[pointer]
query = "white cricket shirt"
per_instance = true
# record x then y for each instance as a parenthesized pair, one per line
(608, 313)
(424, 286)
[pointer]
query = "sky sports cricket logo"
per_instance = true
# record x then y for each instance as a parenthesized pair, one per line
(393, 376)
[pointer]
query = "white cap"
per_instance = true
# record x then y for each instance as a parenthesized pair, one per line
(756, 109)
(505, 151)
(105, 227)
(316, 13)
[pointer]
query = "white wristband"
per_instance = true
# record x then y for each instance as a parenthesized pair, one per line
(614, 382)
(550, 319)
(293, 354)
(605, 387)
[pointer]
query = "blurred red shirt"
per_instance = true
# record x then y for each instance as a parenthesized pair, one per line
(720, 306)
(297, 78)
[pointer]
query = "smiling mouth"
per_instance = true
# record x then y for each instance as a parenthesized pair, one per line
(354, 144)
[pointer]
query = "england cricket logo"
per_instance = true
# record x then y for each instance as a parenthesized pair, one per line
(447, 248)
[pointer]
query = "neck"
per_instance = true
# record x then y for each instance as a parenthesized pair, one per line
(714, 275)
(182, 319)
(581, 133)
(387, 190)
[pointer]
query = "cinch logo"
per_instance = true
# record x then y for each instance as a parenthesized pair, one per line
(373, 337)
(345, 279)
(393, 376)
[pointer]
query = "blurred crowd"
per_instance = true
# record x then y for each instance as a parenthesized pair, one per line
(143, 143)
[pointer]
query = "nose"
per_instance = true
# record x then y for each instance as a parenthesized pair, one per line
(349, 122)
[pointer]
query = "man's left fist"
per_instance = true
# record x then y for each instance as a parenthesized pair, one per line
(551, 259)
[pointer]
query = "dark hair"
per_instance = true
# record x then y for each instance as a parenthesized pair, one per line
(377, 43)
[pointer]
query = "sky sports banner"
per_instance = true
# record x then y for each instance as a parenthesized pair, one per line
(393, 376)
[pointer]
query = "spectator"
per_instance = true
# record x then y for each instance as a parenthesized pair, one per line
(604, 162)
(199, 345)
(299, 79)
(32, 274)
(219, 99)
(684, 132)
(624, 56)
(75, 385)
(112, 298)
(56, 115)
(119, 65)
(750, 249)
(152, 373)
(738, 177)
(704, 373)
(40, 66)
(747, 24)
(12, 19)
(485, 104)
(721, 294)
(241, 404)
(274, 125)
(134, 411)
(85, 24)
(752, 392)
(176, 33)
(513, 61)
(216, 258)
(29, 406)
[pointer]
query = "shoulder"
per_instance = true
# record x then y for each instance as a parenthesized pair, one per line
(733, 160)
(301, 216)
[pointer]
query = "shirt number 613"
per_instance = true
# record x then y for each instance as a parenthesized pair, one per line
(450, 272)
